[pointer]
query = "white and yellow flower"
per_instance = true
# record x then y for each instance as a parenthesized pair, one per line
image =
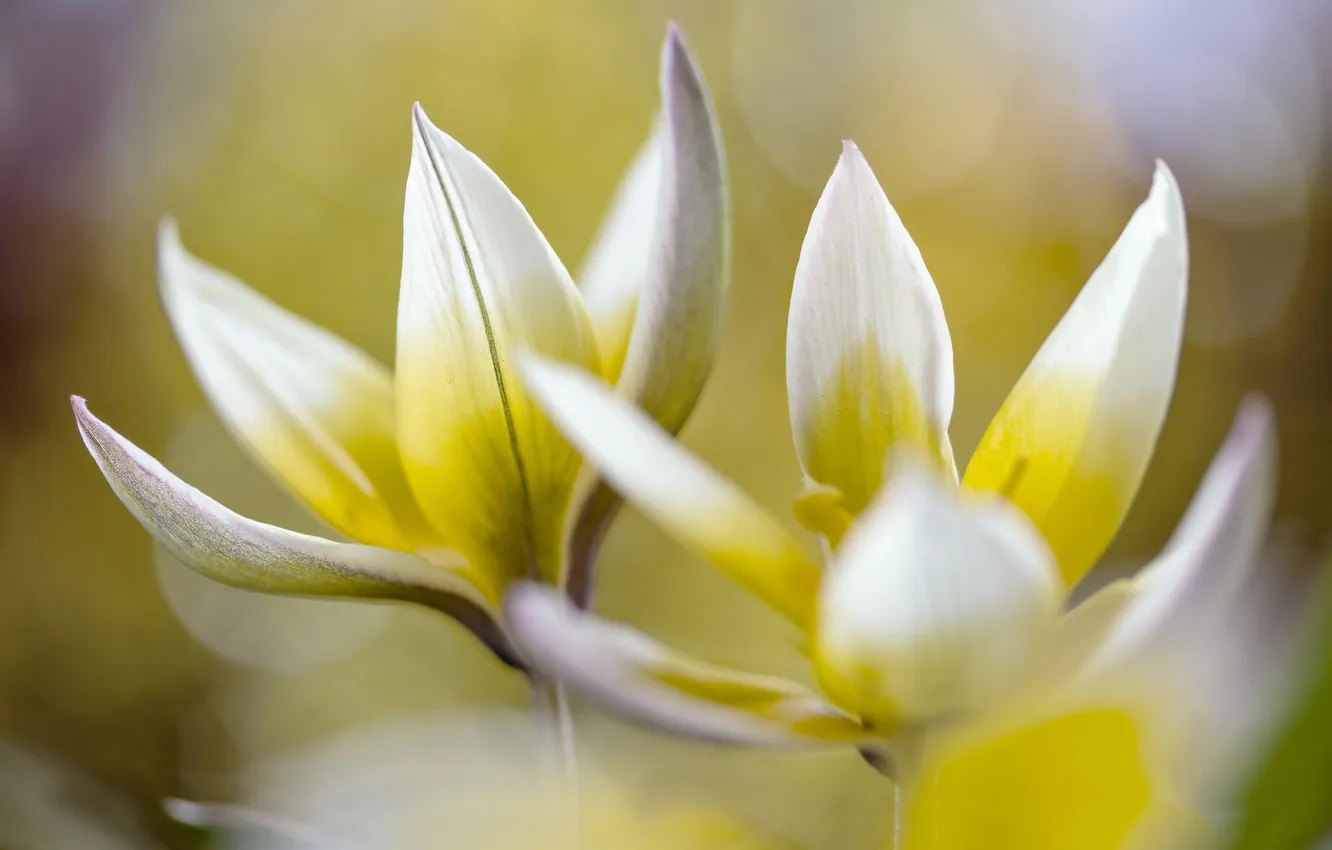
(1140, 746)
(449, 480)
(935, 600)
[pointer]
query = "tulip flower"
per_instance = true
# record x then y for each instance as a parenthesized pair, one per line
(443, 474)
(936, 600)
(1121, 730)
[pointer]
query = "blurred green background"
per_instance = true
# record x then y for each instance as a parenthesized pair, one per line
(1013, 138)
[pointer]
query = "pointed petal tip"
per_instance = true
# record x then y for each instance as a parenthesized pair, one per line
(678, 65)
(422, 126)
(168, 243)
(168, 231)
(1162, 171)
(1256, 407)
(1254, 422)
(87, 421)
(1165, 189)
(427, 132)
(852, 161)
(83, 417)
(675, 47)
(173, 258)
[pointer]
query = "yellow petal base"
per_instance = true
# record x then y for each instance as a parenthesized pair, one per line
(1051, 454)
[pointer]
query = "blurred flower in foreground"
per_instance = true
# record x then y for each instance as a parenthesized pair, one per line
(45, 803)
(936, 600)
(444, 473)
(1138, 734)
(454, 781)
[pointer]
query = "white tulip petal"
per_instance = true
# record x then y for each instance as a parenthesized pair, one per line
(640, 679)
(1197, 581)
(936, 603)
(1072, 441)
(683, 297)
(478, 281)
(316, 411)
(657, 276)
(678, 491)
(227, 547)
(869, 364)
(619, 263)
(1081, 630)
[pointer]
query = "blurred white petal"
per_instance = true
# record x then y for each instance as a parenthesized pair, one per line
(869, 365)
(1195, 583)
(642, 680)
(677, 490)
(277, 634)
(475, 781)
(314, 409)
(1073, 439)
(935, 604)
(46, 804)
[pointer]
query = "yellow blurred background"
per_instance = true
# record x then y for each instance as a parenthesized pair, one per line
(1013, 138)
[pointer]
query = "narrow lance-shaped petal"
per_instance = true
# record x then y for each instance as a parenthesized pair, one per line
(478, 281)
(316, 411)
(657, 276)
(227, 547)
(620, 260)
(1195, 584)
(682, 494)
(935, 605)
(1072, 441)
(869, 364)
(679, 319)
(642, 680)
(1192, 643)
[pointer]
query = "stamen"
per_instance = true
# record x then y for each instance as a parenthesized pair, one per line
(1015, 476)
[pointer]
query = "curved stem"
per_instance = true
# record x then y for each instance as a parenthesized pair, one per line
(595, 514)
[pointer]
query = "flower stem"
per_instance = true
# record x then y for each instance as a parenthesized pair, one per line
(907, 752)
(555, 737)
(554, 722)
(897, 815)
